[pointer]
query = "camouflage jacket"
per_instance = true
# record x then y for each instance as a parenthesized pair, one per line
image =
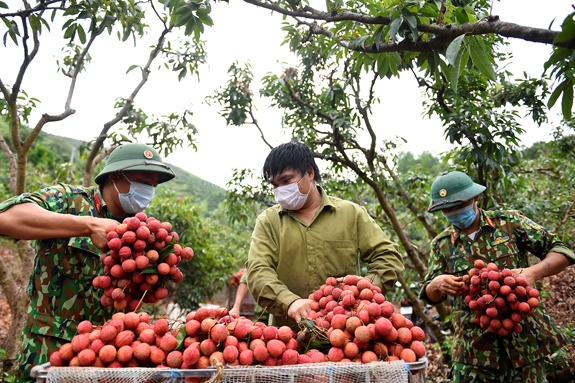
(505, 238)
(60, 287)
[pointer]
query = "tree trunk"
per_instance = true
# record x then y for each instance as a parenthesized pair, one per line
(17, 299)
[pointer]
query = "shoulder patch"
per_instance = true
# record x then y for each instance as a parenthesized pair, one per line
(499, 240)
(532, 224)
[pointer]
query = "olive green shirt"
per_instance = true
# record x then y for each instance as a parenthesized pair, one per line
(289, 259)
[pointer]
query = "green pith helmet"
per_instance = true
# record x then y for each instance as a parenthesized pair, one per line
(452, 189)
(136, 156)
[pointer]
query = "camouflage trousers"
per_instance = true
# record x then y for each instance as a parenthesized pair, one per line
(35, 350)
(530, 373)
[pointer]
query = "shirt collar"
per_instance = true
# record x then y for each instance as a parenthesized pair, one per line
(100, 204)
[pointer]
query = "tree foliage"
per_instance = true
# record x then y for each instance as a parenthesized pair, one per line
(329, 101)
(446, 38)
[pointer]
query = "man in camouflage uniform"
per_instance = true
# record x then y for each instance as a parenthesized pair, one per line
(68, 223)
(505, 238)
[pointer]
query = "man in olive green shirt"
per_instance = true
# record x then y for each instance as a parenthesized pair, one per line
(310, 236)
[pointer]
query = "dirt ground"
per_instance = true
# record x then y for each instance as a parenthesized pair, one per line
(560, 303)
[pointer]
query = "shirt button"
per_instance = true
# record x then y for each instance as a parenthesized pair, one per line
(312, 269)
(311, 247)
(309, 228)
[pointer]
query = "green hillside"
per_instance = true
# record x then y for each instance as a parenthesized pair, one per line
(204, 193)
(50, 149)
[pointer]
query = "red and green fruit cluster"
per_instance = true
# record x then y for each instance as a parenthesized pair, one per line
(361, 325)
(143, 255)
(499, 298)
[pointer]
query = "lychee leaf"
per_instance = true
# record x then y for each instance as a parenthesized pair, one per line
(318, 345)
(149, 270)
(180, 337)
(167, 249)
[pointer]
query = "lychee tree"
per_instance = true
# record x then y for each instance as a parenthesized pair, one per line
(330, 102)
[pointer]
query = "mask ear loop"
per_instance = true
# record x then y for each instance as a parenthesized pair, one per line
(126, 180)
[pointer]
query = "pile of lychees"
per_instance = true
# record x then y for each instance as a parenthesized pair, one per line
(499, 298)
(143, 256)
(361, 325)
(208, 337)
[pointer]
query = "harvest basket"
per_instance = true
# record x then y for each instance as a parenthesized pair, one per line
(374, 372)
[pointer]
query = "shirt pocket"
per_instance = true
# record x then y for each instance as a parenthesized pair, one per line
(82, 261)
(457, 263)
(504, 252)
(340, 258)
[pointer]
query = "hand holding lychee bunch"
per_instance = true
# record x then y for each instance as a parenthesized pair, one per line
(499, 298)
(143, 255)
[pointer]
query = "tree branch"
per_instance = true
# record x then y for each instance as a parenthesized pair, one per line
(444, 33)
(104, 132)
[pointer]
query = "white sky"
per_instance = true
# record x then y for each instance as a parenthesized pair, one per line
(243, 33)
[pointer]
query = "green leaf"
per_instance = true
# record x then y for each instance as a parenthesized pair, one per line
(461, 16)
(567, 102)
(205, 19)
(70, 32)
(383, 67)
(149, 270)
(394, 28)
(481, 60)
(555, 94)
(394, 62)
(3, 5)
(180, 337)
(412, 22)
(464, 61)
(567, 30)
(167, 249)
(453, 49)
(429, 10)
(132, 67)
(81, 34)
(454, 80)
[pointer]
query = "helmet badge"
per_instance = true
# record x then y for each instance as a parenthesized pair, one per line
(442, 193)
(148, 154)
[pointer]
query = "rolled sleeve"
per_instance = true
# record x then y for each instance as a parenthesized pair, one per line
(384, 263)
(263, 281)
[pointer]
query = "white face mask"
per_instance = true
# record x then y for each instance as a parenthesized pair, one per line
(137, 199)
(289, 196)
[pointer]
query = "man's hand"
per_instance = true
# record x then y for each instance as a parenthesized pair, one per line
(98, 231)
(299, 309)
(528, 274)
(447, 284)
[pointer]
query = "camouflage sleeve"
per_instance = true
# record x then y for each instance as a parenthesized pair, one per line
(53, 198)
(436, 266)
(536, 239)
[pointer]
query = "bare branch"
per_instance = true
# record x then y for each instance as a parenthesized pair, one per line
(255, 122)
(40, 7)
(566, 217)
(28, 57)
(129, 101)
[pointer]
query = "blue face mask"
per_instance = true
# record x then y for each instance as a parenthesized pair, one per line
(462, 218)
(137, 199)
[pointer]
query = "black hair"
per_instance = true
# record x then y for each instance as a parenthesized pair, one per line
(290, 155)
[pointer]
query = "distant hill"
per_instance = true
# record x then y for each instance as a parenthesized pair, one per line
(204, 193)
(53, 149)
